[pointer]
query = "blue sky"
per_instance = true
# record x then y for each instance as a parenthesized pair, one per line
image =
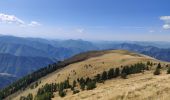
(142, 20)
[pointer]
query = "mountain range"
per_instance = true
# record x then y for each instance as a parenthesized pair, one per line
(20, 56)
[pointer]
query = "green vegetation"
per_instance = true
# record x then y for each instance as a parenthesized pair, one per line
(98, 78)
(117, 72)
(76, 91)
(35, 85)
(45, 96)
(29, 97)
(91, 85)
(82, 86)
(46, 91)
(111, 73)
(124, 75)
(157, 70)
(159, 66)
(149, 63)
(61, 93)
(104, 76)
(168, 71)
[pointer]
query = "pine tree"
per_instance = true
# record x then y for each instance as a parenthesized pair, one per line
(168, 71)
(98, 78)
(159, 66)
(104, 75)
(151, 64)
(74, 83)
(62, 93)
(87, 80)
(157, 71)
(81, 81)
(117, 72)
(82, 86)
(148, 63)
(124, 75)
(111, 73)
(91, 85)
(66, 84)
(123, 70)
(30, 96)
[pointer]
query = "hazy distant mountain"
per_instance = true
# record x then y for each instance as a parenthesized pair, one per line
(44, 48)
(62, 49)
(21, 50)
(147, 48)
(20, 65)
(159, 44)
(6, 80)
(158, 53)
(77, 44)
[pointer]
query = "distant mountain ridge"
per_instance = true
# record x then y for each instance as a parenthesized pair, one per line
(158, 53)
(20, 65)
(6, 80)
(41, 47)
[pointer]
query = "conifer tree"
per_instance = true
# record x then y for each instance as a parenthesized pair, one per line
(82, 86)
(124, 75)
(168, 71)
(91, 85)
(111, 73)
(62, 93)
(74, 83)
(98, 78)
(157, 71)
(104, 75)
(117, 72)
(159, 66)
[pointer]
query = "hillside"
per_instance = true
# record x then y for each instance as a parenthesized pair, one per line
(20, 65)
(92, 63)
(6, 80)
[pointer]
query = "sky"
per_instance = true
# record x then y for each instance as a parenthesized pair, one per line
(109, 20)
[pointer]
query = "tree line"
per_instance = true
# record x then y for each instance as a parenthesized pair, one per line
(46, 92)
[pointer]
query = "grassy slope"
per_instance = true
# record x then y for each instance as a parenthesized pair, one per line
(97, 63)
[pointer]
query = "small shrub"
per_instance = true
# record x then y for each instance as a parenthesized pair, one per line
(76, 91)
(124, 75)
(72, 88)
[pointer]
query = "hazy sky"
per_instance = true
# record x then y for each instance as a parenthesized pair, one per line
(87, 19)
